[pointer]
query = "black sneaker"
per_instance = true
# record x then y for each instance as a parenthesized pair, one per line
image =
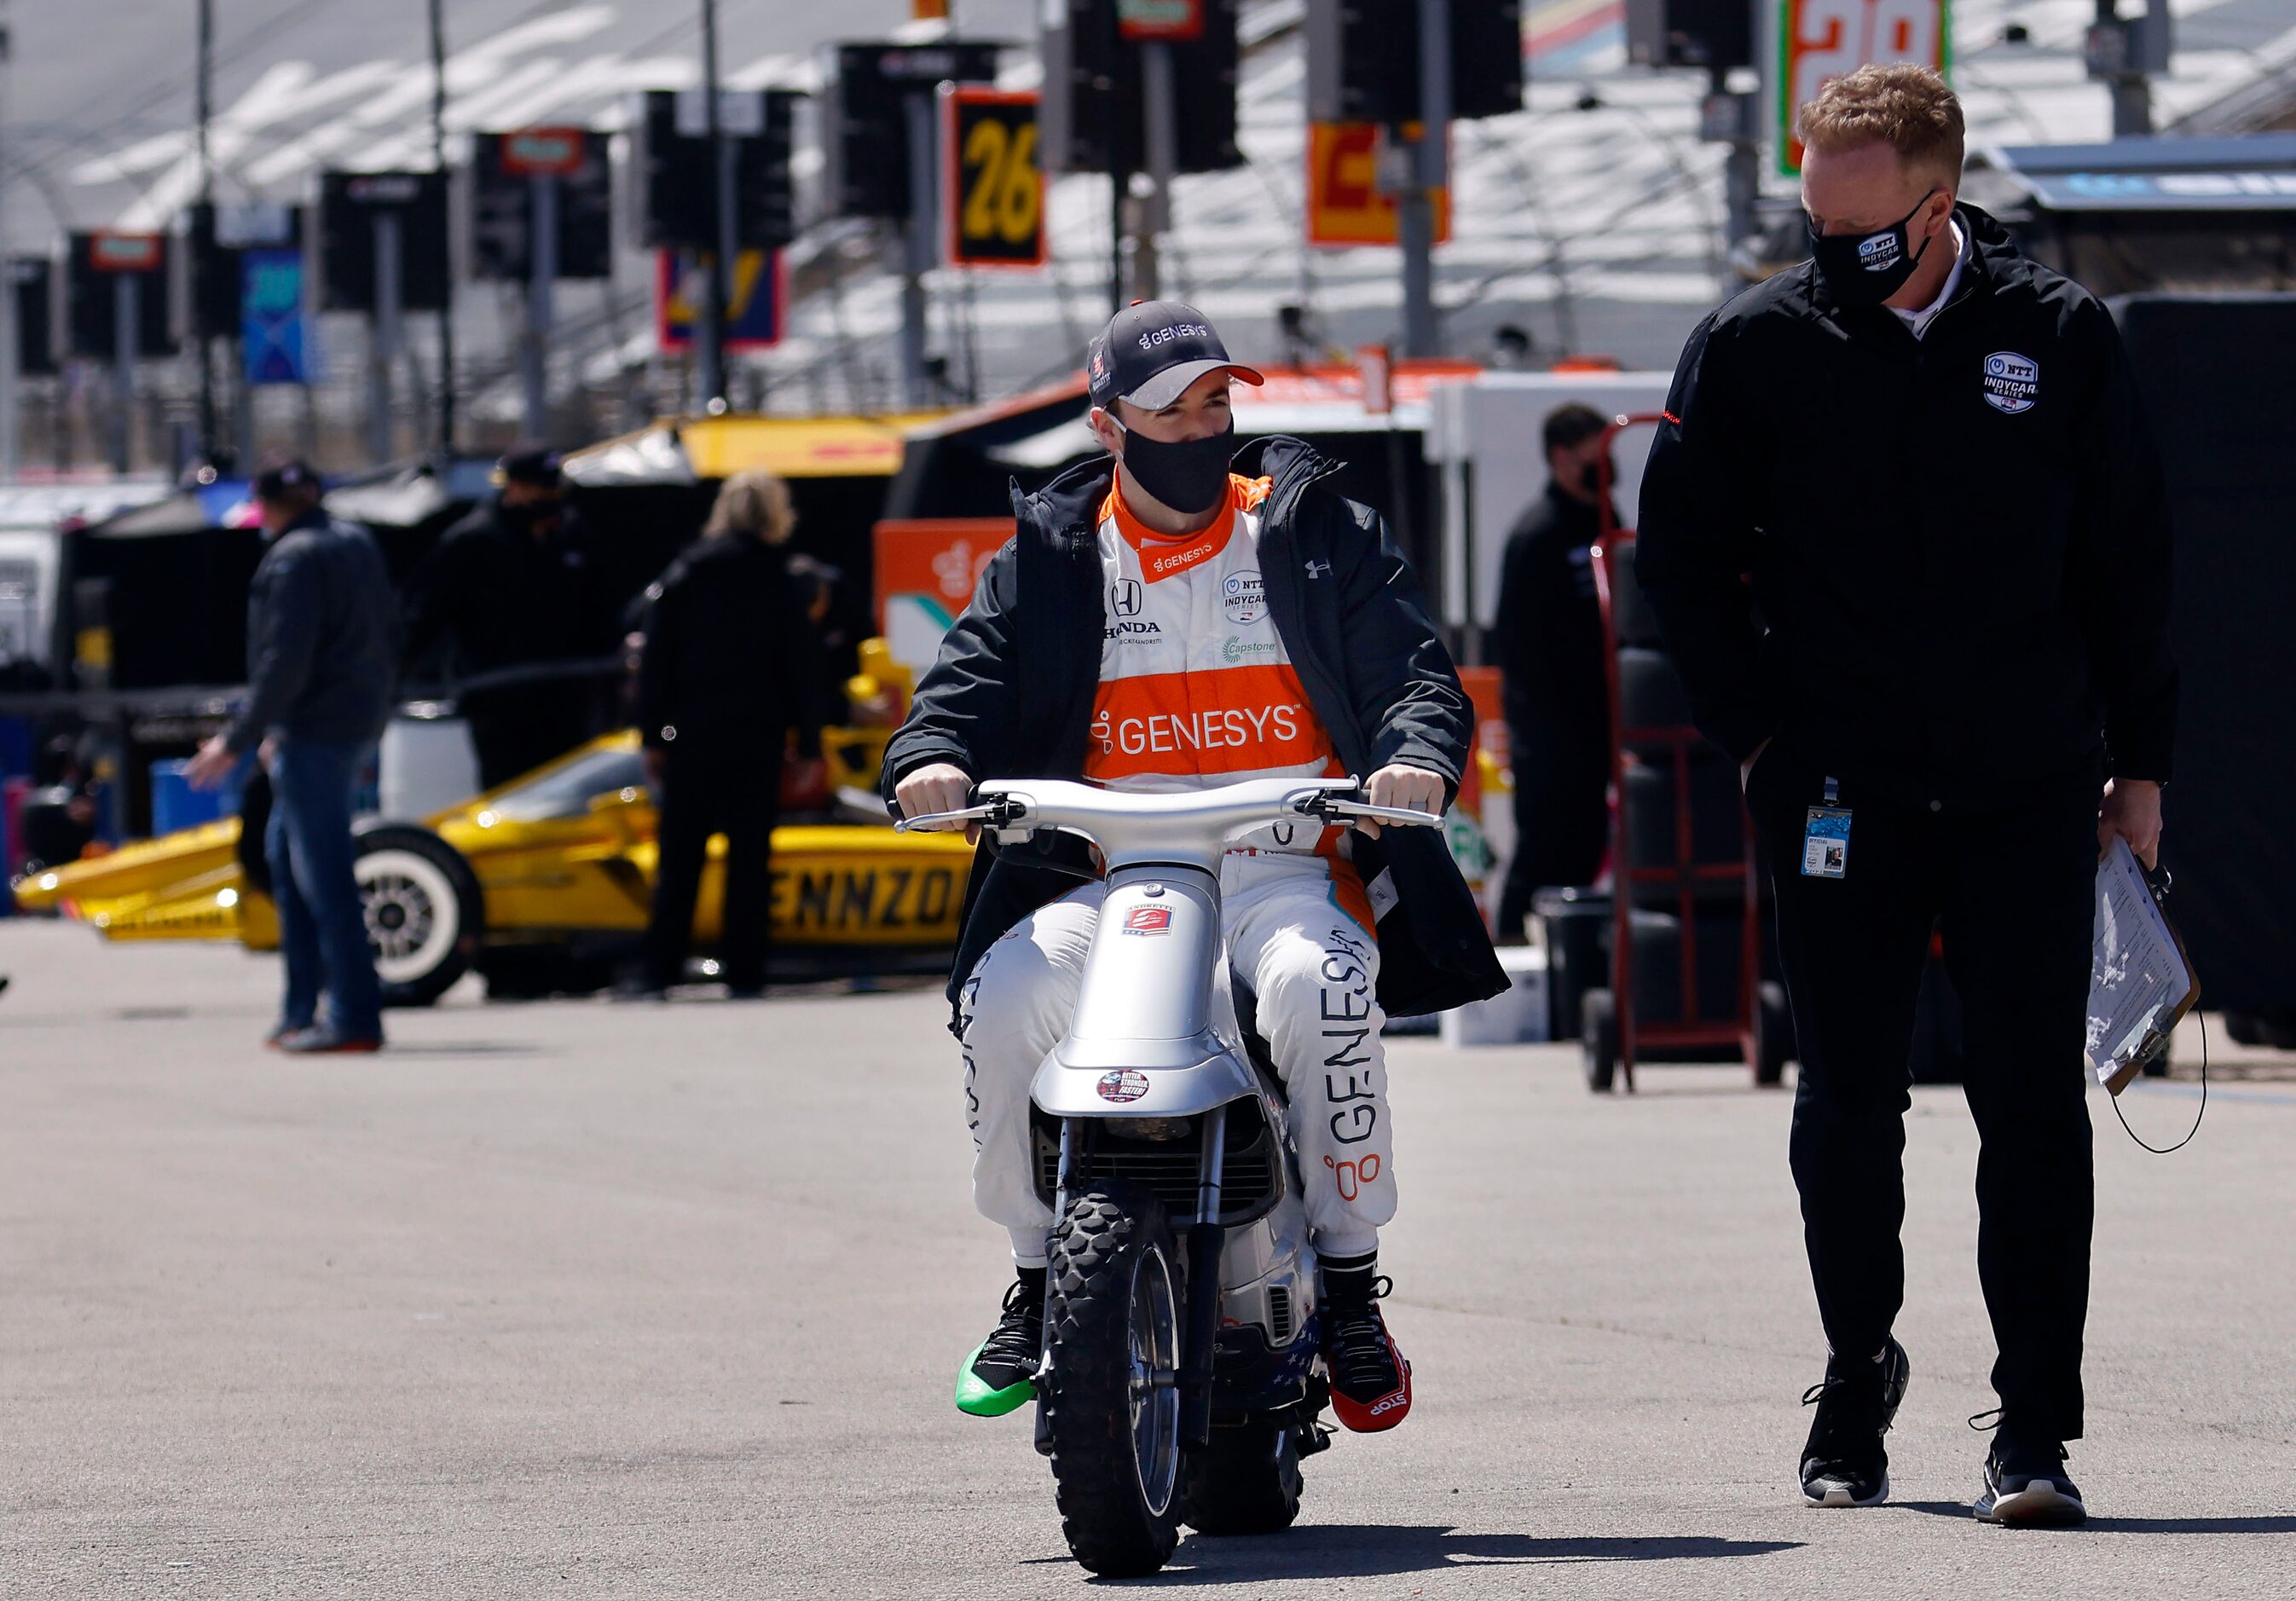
(1371, 1382)
(2026, 1486)
(1001, 1373)
(1842, 1463)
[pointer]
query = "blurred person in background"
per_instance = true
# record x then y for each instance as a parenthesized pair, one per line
(511, 586)
(321, 650)
(1547, 641)
(730, 666)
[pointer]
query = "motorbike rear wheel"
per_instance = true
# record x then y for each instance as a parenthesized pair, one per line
(1246, 1481)
(1113, 1314)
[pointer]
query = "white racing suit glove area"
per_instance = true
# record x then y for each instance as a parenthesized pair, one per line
(1315, 970)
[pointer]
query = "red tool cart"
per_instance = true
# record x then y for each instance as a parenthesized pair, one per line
(1682, 861)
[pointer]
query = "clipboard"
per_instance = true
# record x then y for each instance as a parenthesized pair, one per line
(2141, 980)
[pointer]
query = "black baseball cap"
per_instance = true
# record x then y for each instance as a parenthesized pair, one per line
(279, 480)
(534, 464)
(1151, 350)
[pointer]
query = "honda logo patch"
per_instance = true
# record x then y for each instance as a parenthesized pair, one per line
(2012, 382)
(1124, 597)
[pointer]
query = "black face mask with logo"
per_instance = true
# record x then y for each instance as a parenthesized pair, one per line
(1188, 475)
(1865, 269)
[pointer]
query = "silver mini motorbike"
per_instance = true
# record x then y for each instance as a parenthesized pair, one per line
(1182, 1378)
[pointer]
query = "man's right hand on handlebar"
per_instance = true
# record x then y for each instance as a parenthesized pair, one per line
(937, 786)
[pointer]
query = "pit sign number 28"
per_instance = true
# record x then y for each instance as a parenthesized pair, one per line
(1821, 39)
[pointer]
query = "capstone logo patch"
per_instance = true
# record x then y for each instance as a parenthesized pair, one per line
(1244, 598)
(2012, 382)
(1247, 650)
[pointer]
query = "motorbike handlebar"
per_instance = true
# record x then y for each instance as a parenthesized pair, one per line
(1000, 804)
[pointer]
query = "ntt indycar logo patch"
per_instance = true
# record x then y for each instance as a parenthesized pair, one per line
(2012, 382)
(1878, 254)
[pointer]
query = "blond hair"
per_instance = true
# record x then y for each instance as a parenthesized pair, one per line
(752, 502)
(1901, 104)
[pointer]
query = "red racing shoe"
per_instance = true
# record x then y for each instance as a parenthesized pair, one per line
(1371, 1382)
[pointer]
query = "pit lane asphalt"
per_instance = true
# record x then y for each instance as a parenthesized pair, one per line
(582, 1300)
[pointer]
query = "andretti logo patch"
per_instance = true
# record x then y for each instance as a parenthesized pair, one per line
(2012, 382)
(1148, 920)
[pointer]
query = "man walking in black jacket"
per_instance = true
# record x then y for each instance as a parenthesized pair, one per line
(321, 650)
(1184, 616)
(1927, 452)
(511, 586)
(1548, 641)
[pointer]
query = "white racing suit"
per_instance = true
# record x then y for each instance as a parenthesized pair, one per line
(1196, 688)
(1314, 972)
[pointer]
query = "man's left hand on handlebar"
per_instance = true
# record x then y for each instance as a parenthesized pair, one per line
(1404, 787)
(936, 787)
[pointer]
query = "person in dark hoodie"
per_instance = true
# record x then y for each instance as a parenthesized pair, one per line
(731, 666)
(1547, 641)
(511, 586)
(321, 655)
(1904, 531)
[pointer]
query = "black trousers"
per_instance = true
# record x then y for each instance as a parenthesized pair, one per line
(1562, 811)
(2010, 890)
(706, 792)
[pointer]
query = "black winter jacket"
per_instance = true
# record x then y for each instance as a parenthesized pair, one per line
(1959, 543)
(322, 638)
(1547, 639)
(1011, 697)
(732, 662)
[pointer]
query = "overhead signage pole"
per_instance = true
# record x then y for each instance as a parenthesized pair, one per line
(714, 262)
(1416, 224)
(126, 324)
(917, 251)
(202, 255)
(11, 360)
(439, 162)
(1154, 27)
(545, 158)
(383, 352)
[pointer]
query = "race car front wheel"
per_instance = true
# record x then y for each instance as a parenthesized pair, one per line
(424, 911)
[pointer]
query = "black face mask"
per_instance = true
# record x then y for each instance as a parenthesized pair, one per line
(532, 517)
(1188, 475)
(1865, 269)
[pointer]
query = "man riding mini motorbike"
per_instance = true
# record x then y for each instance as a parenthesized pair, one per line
(1184, 616)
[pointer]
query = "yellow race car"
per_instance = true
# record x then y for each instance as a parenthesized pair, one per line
(542, 886)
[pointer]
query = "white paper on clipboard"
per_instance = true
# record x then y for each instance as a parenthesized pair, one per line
(2139, 980)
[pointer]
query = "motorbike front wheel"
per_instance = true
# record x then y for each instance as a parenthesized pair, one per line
(1113, 1316)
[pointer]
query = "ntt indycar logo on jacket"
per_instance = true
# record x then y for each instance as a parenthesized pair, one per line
(1219, 728)
(2012, 382)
